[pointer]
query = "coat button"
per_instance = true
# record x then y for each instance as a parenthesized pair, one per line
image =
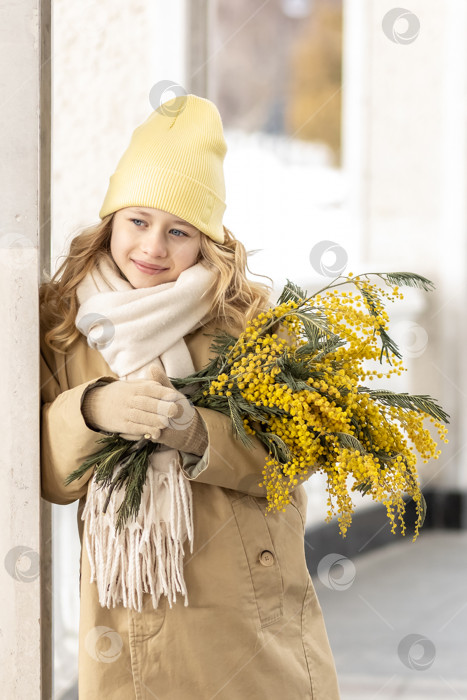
(266, 558)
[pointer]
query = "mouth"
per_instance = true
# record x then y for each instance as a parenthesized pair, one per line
(147, 268)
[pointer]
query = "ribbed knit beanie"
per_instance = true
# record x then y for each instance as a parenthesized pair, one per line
(175, 163)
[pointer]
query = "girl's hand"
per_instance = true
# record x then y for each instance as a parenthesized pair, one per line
(130, 408)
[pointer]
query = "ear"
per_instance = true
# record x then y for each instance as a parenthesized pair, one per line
(159, 376)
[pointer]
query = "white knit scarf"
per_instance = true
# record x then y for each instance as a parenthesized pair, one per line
(133, 329)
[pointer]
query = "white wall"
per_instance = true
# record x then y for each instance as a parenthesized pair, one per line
(405, 161)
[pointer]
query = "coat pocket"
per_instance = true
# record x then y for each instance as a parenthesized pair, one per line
(262, 559)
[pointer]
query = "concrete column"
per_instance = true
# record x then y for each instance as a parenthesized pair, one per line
(25, 621)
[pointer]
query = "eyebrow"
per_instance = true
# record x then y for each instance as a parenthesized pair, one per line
(176, 221)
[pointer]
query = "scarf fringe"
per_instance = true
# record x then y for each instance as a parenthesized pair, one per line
(147, 556)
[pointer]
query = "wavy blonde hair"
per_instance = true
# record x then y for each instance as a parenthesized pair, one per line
(236, 299)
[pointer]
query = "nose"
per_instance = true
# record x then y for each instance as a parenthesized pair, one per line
(153, 243)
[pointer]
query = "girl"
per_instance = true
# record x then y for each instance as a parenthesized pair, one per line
(201, 596)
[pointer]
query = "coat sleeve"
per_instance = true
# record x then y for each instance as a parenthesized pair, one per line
(66, 440)
(227, 462)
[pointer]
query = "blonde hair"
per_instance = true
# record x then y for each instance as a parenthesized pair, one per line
(236, 299)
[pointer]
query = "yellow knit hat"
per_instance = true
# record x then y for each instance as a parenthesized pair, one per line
(175, 163)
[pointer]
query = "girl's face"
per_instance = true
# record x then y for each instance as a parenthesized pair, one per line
(150, 246)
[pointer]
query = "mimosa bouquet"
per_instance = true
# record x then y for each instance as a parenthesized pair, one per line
(296, 379)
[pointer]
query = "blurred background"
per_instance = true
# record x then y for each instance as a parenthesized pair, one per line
(346, 126)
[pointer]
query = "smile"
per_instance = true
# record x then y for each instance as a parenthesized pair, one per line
(148, 269)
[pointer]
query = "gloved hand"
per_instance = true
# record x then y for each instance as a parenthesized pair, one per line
(186, 429)
(130, 408)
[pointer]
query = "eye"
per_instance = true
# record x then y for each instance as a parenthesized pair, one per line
(178, 233)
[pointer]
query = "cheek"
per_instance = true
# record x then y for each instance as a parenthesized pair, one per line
(118, 243)
(192, 252)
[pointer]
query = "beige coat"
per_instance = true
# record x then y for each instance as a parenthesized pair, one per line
(253, 628)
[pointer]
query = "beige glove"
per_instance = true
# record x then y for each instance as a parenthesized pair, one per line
(186, 430)
(130, 408)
